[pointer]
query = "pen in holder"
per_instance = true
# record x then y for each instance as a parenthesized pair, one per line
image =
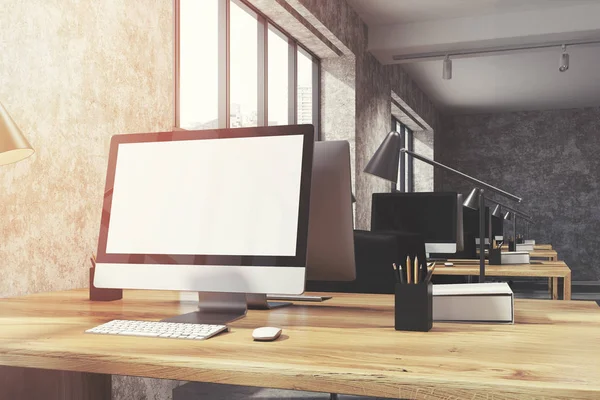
(414, 307)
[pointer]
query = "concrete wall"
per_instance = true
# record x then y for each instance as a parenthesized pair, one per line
(550, 159)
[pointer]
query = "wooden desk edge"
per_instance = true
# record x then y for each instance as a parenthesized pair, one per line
(361, 383)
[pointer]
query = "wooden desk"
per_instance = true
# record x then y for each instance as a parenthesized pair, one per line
(549, 255)
(346, 345)
(547, 269)
(539, 253)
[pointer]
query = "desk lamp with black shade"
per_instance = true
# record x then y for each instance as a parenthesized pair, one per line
(385, 164)
(511, 215)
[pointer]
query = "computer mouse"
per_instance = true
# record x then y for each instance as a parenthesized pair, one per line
(448, 264)
(266, 334)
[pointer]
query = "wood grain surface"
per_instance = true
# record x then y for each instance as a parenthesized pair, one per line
(345, 345)
(545, 269)
(551, 255)
(548, 269)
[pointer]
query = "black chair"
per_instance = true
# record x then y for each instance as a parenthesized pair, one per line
(374, 254)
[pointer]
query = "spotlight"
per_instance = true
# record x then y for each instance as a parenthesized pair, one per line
(447, 71)
(564, 60)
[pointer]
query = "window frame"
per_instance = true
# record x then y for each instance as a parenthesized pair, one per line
(224, 67)
(407, 140)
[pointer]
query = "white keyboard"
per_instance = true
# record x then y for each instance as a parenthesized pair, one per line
(173, 330)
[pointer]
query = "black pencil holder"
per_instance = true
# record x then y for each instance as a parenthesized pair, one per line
(495, 256)
(414, 307)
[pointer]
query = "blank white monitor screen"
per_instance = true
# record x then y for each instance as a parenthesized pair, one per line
(212, 196)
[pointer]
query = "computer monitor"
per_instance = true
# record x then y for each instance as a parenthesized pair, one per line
(471, 228)
(497, 227)
(330, 253)
(213, 211)
(436, 216)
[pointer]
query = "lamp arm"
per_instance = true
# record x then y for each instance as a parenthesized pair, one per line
(463, 175)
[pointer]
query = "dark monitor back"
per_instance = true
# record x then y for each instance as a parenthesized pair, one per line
(436, 216)
(471, 222)
(497, 226)
(471, 231)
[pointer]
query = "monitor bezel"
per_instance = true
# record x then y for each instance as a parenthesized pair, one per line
(299, 260)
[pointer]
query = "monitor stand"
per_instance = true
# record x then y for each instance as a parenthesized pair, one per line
(222, 308)
(259, 302)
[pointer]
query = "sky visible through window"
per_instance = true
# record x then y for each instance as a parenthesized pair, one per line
(199, 69)
(199, 83)
(278, 101)
(243, 70)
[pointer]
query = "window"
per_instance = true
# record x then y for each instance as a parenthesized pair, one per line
(405, 169)
(198, 80)
(243, 69)
(236, 68)
(304, 89)
(278, 67)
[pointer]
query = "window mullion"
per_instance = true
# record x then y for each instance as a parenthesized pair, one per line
(262, 90)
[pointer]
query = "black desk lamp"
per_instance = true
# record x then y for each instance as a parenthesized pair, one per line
(511, 215)
(385, 163)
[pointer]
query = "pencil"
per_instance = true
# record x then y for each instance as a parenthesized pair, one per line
(408, 270)
(416, 268)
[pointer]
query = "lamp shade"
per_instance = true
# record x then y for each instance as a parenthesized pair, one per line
(497, 212)
(384, 162)
(13, 145)
(472, 200)
(508, 216)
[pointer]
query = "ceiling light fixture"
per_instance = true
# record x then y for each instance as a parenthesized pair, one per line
(458, 53)
(564, 60)
(447, 70)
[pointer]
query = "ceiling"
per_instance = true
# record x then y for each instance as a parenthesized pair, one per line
(386, 12)
(492, 83)
(512, 83)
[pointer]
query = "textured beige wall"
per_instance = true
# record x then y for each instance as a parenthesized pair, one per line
(73, 73)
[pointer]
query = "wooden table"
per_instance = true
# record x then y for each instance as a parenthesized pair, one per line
(546, 254)
(553, 270)
(345, 345)
(550, 255)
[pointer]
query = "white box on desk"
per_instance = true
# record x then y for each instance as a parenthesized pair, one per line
(514, 257)
(524, 247)
(474, 302)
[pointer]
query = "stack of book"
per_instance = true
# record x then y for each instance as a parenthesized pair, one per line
(474, 302)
